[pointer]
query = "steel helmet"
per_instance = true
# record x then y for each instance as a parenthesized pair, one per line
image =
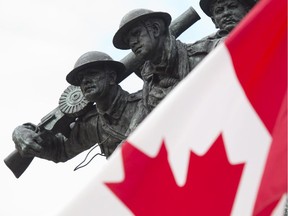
(133, 17)
(93, 59)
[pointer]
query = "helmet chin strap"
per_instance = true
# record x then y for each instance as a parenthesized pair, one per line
(149, 32)
(148, 29)
(108, 90)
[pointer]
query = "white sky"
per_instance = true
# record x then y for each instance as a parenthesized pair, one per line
(39, 43)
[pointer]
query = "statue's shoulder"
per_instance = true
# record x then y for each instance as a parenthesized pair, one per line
(203, 45)
(136, 96)
(91, 114)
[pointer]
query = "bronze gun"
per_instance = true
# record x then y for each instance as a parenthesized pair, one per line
(72, 103)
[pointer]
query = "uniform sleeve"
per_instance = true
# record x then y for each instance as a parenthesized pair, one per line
(83, 135)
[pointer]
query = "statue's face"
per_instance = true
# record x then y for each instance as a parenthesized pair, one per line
(142, 42)
(226, 14)
(95, 84)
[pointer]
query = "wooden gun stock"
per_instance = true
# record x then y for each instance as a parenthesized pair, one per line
(60, 118)
(16, 163)
(57, 121)
(53, 121)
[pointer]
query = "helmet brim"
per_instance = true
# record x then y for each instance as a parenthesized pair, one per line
(73, 76)
(118, 39)
(205, 4)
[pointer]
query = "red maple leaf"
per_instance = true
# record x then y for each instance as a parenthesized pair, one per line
(149, 187)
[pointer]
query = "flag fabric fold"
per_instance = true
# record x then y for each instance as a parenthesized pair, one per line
(217, 144)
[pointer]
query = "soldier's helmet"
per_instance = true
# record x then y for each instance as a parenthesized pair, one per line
(129, 21)
(205, 5)
(93, 59)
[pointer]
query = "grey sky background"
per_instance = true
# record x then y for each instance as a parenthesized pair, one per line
(39, 43)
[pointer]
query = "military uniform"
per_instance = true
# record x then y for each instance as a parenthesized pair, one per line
(200, 49)
(160, 79)
(107, 128)
(105, 125)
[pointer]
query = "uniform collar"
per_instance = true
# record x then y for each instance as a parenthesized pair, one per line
(117, 107)
(167, 62)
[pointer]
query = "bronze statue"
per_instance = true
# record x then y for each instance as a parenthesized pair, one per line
(147, 34)
(72, 104)
(225, 14)
(134, 63)
(96, 74)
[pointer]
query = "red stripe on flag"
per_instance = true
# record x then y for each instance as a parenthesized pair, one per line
(258, 47)
(274, 180)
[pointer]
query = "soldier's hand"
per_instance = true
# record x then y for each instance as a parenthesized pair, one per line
(27, 141)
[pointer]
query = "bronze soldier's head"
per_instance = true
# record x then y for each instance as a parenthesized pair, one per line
(92, 60)
(140, 30)
(95, 72)
(226, 14)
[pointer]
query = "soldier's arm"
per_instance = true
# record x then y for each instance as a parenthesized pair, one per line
(31, 142)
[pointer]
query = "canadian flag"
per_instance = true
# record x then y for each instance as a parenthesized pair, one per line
(217, 145)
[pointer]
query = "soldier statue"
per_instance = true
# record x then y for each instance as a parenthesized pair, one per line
(106, 125)
(147, 34)
(225, 14)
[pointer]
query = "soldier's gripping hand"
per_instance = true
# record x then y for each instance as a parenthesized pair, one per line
(27, 140)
